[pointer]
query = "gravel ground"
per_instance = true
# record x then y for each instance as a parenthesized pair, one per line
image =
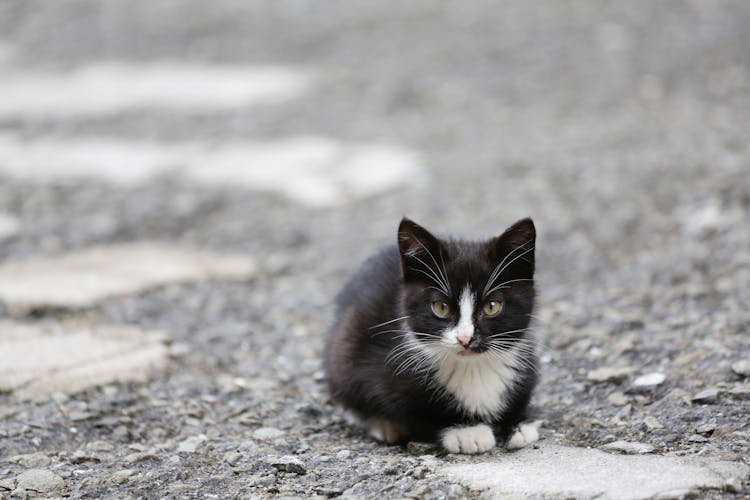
(620, 128)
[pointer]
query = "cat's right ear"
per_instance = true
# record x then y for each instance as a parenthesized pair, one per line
(418, 248)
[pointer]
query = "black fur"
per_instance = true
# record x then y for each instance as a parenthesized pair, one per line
(397, 282)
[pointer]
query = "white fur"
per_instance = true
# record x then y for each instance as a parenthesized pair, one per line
(479, 382)
(385, 430)
(465, 327)
(524, 435)
(475, 439)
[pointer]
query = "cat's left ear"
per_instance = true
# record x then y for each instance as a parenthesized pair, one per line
(418, 248)
(515, 248)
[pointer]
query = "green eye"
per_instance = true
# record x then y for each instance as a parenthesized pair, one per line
(492, 308)
(441, 309)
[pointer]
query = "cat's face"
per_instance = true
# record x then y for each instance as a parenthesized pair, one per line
(466, 299)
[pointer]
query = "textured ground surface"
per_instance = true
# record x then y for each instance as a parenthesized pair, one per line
(621, 129)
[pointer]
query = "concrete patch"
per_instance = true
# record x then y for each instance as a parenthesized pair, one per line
(559, 471)
(100, 89)
(311, 170)
(9, 226)
(39, 359)
(314, 171)
(85, 277)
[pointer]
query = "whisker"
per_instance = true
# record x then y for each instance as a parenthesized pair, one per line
(387, 322)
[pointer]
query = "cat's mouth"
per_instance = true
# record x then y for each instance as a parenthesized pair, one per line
(468, 352)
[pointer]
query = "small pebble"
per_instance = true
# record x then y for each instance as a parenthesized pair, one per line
(649, 380)
(617, 399)
(652, 424)
(138, 457)
(191, 444)
(706, 429)
(268, 433)
(630, 448)
(343, 454)
(31, 460)
(39, 480)
(706, 396)
(288, 463)
(121, 476)
(742, 368)
(697, 438)
(610, 374)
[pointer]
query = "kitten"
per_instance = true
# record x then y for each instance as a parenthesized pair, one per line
(432, 340)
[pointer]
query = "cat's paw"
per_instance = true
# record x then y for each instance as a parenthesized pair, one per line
(385, 430)
(475, 439)
(523, 435)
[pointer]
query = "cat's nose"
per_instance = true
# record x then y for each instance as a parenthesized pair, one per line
(464, 341)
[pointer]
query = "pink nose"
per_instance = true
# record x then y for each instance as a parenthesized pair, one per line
(464, 341)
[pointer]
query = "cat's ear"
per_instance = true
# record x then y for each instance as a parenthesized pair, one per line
(418, 247)
(515, 248)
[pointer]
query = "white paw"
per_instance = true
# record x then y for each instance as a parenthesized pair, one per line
(524, 435)
(385, 430)
(475, 439)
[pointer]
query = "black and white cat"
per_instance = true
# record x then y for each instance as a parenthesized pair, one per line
(432, 341)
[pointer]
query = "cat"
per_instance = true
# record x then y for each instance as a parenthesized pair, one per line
(431, 340)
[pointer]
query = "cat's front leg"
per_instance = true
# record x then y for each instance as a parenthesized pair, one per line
(475, 439)
(522, 436)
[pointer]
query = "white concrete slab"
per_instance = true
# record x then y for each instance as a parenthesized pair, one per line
(314, 171)
(40, 359)
(71, 161)
(310, 170)
(106, 88)
(83, 278)
(554, 471)
(9, 226)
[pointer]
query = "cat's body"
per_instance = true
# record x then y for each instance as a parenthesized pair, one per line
(431, 340)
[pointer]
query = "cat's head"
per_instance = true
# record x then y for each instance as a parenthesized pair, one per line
(465, 298)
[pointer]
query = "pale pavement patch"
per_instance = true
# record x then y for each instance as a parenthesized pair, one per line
(311, 170)
(551, 470)
(9, 226)
(84, 277)
(40, 359)
(100, 89)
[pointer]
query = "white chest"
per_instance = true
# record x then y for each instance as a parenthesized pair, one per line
(480, 385)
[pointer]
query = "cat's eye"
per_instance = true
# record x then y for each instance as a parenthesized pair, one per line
(492, 308)
(441, 309)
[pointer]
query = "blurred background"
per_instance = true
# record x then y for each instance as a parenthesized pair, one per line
(295, 134)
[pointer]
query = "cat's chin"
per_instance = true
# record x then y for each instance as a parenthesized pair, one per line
(467, 353)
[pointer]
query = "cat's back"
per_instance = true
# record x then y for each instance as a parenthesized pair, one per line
(374, 285)
(354, 351)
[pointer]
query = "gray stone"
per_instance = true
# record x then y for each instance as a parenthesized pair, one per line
(266, 433)
(40, 480)
(121, 476)
(9, 226)
(31, 460)
(629, 447)
(710, 395)
(40, 359)
(7, 484)
(617, 399)
(86, 277)
(652, 423)
(742, 368)
(697, 438)
(610, 373)
(288, 463)
(546, 471)
(649, 380)
(191, 444)
(139, 457)
(81, 456)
